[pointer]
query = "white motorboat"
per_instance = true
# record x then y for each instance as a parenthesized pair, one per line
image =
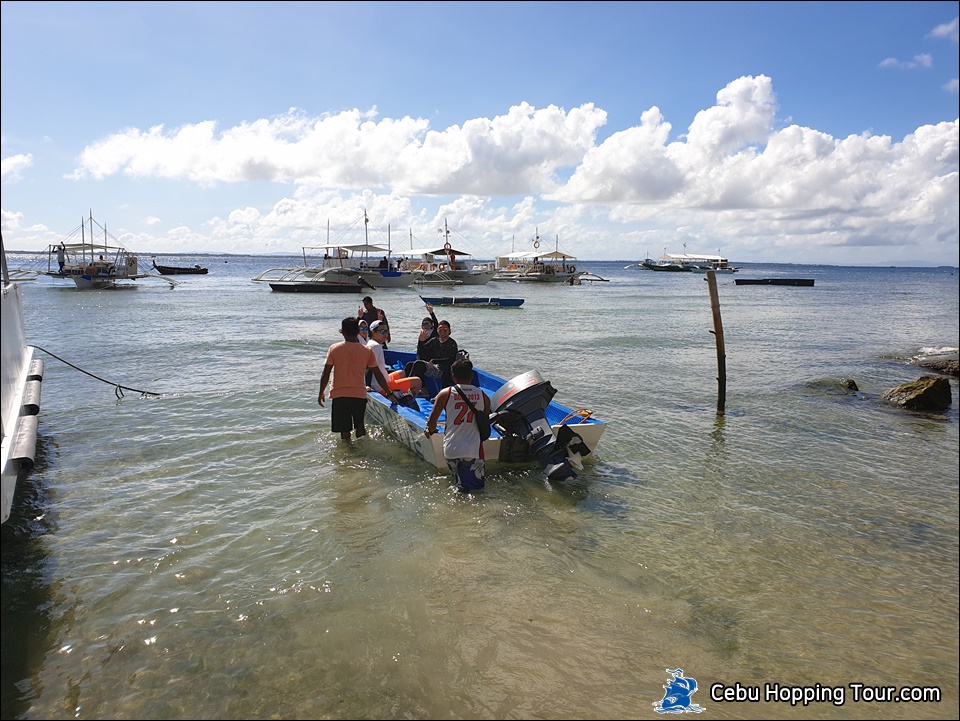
(22, 375)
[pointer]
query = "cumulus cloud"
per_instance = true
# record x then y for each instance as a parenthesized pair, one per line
(923, 60)
(950, 30)
(735, 178)
(511, 154)
(11, 167)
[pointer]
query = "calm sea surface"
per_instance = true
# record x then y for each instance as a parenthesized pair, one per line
(216, 553)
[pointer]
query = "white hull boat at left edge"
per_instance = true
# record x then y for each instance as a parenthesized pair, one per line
(22, 375)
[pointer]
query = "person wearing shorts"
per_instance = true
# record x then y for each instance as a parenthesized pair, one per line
(348, 361)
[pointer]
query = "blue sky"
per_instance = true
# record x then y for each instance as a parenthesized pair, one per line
(806, 132)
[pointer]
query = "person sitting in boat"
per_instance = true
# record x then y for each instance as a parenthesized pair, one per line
(462, 446)
(441, 351)
(396, 380)
(427, 332)
(383, 262)
(363, 332)
(370, 313)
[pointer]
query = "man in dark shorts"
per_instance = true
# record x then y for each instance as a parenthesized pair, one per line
(348, 360)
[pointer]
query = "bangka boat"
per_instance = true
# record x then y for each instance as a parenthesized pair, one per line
(688, 263)
(715, 267)
(435, 277)
(668, 266)
(375, 264)
(305, 279)
(350, 260)
(527, 425)
(541, 267)
(175, 270)
(91, 264)
(473, 301)
(22, 376)
(449, 262)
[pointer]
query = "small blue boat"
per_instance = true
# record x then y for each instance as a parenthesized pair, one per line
(473, 301)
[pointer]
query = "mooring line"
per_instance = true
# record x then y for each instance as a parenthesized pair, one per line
(118, 389)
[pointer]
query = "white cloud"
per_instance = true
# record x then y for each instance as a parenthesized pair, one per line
(736, 179)
(11, 167)
(923, 60)
(950, 30)
(511, 154)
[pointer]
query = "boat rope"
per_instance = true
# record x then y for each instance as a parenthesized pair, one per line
(582, 413)
(118, 389)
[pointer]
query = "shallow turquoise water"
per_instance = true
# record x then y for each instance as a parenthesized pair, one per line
(217, 553)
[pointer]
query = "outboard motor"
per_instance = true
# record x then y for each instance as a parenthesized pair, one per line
(519, 410)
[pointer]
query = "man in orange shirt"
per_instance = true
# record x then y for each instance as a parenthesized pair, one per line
(348, 360)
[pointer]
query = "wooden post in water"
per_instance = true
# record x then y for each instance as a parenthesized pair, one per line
(721, 351)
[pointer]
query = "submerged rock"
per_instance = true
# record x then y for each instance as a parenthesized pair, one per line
(941, 364)
(834, 386)
(927, 393)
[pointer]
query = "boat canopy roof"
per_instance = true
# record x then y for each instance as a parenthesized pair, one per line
(85, 246)
(531, 254)
(362, 248)
(432, 251)
(693, 257)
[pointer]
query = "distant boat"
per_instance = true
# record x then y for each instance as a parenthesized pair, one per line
(688, 263)
(92, 264)
(774, 281)
(313, 280)
(540, 267)
(436, 265)
(174, 270)
(669, 266)
(361, 258)
(474, 301)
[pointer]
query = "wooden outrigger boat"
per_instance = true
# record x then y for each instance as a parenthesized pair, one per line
(174, 270)
(472, 301)
(91, 264)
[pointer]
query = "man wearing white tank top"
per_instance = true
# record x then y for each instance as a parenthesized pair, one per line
(461, 436)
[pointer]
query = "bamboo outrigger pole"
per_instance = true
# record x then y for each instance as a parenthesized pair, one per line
(721, 351)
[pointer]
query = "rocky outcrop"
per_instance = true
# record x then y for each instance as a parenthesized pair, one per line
(942, 364)
(927, 393)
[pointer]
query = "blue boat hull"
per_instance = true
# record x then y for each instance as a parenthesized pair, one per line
(474, 301)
